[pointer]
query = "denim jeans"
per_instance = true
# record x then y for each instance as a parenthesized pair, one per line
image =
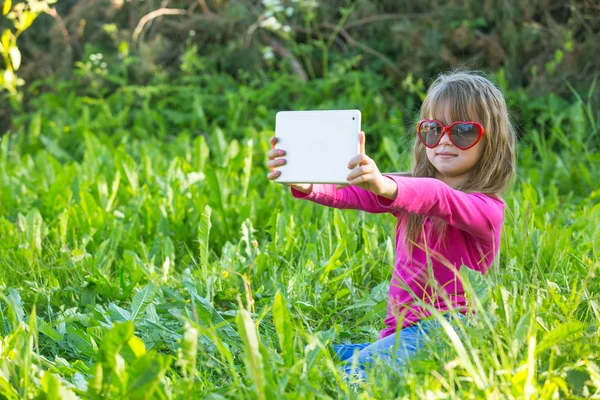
(394, 349)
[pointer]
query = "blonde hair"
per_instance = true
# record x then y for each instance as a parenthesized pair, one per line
(468, 96)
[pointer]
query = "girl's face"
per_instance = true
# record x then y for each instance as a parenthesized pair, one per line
(453, 165)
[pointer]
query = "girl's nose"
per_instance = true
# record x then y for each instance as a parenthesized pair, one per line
(445, 140)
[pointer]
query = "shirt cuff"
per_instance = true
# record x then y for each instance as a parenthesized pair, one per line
(384, 201)
(301, 195)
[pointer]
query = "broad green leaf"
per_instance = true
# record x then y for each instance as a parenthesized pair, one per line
(7, 389)
(113, 342)
(207, 315)
(253, 357)
(77, 255)
(203, 238)
(284, 328)
(79, 340)
(568, 331)
(475, 284)
(15, 305)
(131, 172)
(145, 375)
(117, 313)
(141, 301)
(52, 386)
(331, 264)
(137, 346)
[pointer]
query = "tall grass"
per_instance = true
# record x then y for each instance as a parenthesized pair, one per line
(145, 255)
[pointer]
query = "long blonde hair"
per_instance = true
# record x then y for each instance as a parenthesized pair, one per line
(468, 96)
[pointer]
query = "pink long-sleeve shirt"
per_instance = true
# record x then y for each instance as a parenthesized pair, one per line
(474, 223)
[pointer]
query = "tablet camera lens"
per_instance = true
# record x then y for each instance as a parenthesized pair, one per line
(353, 118)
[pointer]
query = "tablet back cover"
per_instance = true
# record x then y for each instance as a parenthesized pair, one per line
(318, 144)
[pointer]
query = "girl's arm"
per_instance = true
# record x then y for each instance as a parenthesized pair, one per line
(475, 213)
(350, 197)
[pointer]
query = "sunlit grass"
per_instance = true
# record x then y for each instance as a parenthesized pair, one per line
(143, 253)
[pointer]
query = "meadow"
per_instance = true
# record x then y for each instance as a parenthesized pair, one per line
(144, 254)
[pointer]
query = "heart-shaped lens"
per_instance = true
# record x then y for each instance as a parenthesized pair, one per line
(464, 135)
(430, 132)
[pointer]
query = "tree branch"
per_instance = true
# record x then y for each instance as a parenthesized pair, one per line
(383, 17)
(283, 51)
(154, 14)
(350, 40)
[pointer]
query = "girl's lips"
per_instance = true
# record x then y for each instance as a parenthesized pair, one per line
(446, 155)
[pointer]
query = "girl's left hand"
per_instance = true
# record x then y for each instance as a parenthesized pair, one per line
(365, 173)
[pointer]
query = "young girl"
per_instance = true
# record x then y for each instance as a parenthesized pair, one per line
(448, 211)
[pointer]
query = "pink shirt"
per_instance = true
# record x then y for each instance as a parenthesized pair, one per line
(472, 239)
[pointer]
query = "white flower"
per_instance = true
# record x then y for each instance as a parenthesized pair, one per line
(271, 23)
(270, 3)
(268, 53)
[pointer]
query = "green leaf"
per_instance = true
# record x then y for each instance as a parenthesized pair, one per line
(141, 301)
(145, 375)
(113, 342)
(203, 238)
(79, 340)
(15, 307)
(284, 328)
(7, 390)
(475, 284)
(568, 331)
(117, 313)
(254, 361)
(77, 255)
(54, 389)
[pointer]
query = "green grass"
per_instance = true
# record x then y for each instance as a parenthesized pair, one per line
(144, 254)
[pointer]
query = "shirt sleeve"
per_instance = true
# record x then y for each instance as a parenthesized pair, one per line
(475, 213)
(350, 197)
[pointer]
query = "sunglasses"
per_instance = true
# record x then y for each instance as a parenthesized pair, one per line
(463, 135)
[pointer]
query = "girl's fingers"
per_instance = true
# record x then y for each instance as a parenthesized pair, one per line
(359, 159)
(361, 141)
(273, 142)
(271, 154)
(273, 175)
(358, 171)
(276, 163)
(361, 179)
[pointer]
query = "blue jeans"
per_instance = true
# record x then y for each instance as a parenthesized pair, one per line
(394, 349)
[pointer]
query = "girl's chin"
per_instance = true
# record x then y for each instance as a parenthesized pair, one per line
(450, 172)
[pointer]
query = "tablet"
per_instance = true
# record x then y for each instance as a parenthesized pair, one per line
(318, 145)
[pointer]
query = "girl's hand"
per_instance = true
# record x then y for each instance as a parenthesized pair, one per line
(366, 175)
(276, 160)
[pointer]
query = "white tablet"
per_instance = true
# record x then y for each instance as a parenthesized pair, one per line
(318, 145)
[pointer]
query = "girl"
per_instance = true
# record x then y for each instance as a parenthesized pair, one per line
(448, 210)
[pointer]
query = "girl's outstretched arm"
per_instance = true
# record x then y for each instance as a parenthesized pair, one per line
(350, 197)
(476, 213)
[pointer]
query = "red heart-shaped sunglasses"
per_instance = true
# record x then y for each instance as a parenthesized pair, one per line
(463, 134)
